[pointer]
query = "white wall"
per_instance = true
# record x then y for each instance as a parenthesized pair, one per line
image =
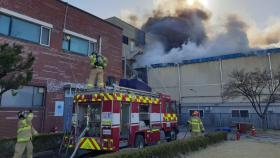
(202, 82)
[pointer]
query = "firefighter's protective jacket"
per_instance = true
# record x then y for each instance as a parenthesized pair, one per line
(98, 61)
(25, 130)
(196, 124)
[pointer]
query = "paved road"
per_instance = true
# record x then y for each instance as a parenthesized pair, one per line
(245, 148)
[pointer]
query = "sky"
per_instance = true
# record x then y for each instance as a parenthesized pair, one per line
(232, 25)
(259, 12)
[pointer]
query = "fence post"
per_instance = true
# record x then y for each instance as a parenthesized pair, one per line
(220, 120)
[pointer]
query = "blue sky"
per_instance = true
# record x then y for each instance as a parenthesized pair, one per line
(260, 12)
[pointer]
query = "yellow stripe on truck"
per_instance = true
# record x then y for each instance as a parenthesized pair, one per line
(95, 143)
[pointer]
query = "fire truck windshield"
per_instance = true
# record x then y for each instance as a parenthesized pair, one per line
(170, 107)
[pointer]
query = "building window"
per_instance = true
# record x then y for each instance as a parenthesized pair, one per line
(5, 24)
(25, 30)
(45, 36)
(28, 96)
(125, 39)
(132, 45)
(201, 112)
(235, 113)
(240, 113)
(22, 29)
(78, 45)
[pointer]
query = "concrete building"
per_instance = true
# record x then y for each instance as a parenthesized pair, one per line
(198, 85)
(133, 42)
(60, 36)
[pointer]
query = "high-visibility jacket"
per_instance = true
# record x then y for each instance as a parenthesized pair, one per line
(24, 131)
(196, 124)
(98, 61)
(29, 118)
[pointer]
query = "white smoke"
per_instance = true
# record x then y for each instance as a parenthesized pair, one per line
(266, 38)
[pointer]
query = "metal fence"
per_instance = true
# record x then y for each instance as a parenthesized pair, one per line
(272, 120)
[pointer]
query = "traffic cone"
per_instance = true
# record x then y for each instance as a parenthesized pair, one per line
(237, 135)
(253, 132)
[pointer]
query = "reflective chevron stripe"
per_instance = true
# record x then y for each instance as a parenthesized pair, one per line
(89, 143)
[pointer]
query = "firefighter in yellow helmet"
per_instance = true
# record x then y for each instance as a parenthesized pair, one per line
(98, 63)
(196, 125)
(25, 131)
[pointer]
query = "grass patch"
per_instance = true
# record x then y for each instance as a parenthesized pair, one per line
(42, 142)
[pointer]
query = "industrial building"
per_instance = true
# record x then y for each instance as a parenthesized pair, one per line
(198, 85)
(60, 36)
(133, 43)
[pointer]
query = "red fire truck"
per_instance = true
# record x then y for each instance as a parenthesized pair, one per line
(113, 118)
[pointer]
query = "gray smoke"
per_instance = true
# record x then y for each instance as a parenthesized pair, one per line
(186, 25)
(180, 32)
(232, 39)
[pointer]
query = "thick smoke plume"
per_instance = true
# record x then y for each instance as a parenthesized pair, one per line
(186, 25)
(232, 39)
(179, 32)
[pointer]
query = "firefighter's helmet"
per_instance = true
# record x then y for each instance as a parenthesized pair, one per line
(21, 114)
(195, 113)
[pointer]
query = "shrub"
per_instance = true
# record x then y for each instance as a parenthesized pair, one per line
(171, 149)
(42, 142)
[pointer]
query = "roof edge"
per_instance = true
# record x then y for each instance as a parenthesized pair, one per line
(102, 20)
(261, 52)
(124, 22)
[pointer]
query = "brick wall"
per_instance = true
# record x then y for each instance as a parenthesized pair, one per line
(53, 66)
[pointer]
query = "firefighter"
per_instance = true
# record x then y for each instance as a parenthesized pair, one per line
(98, 63)
(25, 132)
(196, 125)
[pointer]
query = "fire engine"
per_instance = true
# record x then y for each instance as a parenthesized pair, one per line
(117, 117)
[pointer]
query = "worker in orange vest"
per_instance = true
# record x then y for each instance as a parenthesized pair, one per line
(196, 125)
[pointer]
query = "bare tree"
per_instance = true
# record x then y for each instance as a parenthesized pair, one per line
(259, 87)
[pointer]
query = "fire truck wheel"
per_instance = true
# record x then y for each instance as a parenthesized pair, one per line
(139, 142)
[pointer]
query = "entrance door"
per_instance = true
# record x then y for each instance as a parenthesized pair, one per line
(125, 121)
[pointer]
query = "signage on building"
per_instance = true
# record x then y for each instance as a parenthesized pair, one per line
(59, 108)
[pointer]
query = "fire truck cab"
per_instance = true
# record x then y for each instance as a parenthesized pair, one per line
(113, 118)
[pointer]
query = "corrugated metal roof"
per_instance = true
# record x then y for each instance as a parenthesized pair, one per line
(221, 57)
